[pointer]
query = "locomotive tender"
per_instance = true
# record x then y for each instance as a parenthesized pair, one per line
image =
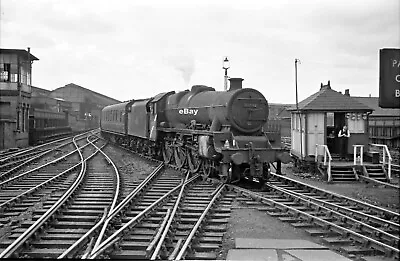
(218, 132)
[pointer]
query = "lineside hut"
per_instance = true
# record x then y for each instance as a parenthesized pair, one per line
(324, 113)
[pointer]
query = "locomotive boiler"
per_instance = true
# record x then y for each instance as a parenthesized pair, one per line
(241, 110)
(218, 132)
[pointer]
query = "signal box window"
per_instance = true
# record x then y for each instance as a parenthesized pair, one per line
(5, 72)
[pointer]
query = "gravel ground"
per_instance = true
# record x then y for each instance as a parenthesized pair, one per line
(247, 222)
(133, 168)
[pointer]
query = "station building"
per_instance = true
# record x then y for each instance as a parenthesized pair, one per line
(86, 105)
(41, 99)
(15, 94)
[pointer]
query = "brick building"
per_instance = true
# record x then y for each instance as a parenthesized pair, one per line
(15, 95)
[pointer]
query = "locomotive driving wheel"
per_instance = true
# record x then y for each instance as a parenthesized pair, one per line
(208, 168)
(194, 160)
(167, 152)
(180, 156)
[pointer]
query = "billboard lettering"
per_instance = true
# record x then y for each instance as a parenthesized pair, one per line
(389, 78)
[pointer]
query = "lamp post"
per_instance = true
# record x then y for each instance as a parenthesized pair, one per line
(297, 108)
(225, 66)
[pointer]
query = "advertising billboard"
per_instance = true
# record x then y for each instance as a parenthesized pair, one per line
(389, 78)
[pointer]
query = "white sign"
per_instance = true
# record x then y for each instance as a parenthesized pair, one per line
(187, 111)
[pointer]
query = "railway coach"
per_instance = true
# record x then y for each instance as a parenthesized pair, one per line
(46, 124)
(218, 132)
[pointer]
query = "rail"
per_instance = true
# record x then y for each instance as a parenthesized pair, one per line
(118, 234)
(108, 216)
(116, 194)
(385, 151)
(196, 227)
(340, 196)
(359, 158)
(327, 157)
(317, 220)
(44, 218)
(165, 230)
(19, 152)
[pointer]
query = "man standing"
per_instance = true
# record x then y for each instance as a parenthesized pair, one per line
(344, 135)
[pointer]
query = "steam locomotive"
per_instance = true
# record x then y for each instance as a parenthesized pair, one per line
(217, 132)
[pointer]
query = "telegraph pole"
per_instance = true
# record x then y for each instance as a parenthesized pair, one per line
(297, 107)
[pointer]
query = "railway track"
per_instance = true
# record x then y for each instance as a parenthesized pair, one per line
(334, 198)
(350, 226)
(37, 206)
(26, 189)
(165, 202)
(169, 214)
(18, 154)
(353, 227)
(163, 220)
(16, 161)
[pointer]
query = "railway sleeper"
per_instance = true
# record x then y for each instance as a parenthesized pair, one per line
(128, 254)
(317, 232)
(51, 244)
(202, 256)
(340, 240)
(357, 250)
(205, 247)
(290, 219)
(302, 224)
(133, 245)
(38, 253)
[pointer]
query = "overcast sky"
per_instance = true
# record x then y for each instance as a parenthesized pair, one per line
(136, 49)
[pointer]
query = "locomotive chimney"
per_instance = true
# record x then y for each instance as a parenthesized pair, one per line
(235, 84)
(347, 92)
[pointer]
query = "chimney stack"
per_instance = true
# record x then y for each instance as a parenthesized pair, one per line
(235, 84)
(347, 92)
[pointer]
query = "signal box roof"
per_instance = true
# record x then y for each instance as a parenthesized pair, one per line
(21, 52)
(327, 99)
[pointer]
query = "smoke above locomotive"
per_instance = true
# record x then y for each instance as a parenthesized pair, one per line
(242, 110)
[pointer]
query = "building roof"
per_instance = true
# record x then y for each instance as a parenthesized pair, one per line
(373, 102)
(279, 110)
(73, 85)
(327, 99)
(36, 91)
(20, 52)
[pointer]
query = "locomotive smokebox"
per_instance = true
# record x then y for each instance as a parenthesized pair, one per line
(235, 84)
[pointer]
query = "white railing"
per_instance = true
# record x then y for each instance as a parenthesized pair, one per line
(361, 156)
(327, 158)
(385, 151)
